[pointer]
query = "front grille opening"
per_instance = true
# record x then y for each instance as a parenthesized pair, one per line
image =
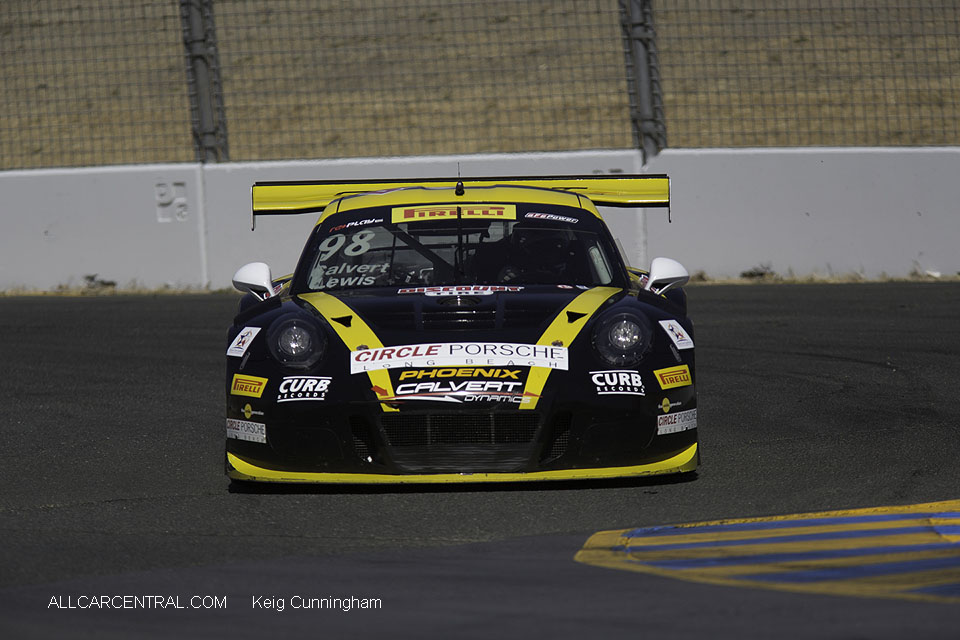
(363, 445)
(424, 430)
(459, 319)
(561, 438)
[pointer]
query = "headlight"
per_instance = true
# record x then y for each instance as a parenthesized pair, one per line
(622, 339)
(296, 343)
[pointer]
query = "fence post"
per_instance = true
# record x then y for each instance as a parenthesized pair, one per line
(643, 77)
(203, 80)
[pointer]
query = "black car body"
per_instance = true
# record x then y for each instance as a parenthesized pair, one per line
(460, 331)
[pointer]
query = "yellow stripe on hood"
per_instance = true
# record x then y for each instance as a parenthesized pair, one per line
(354, 332)
(562, 332)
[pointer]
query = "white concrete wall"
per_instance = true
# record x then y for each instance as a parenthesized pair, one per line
(134, 225)
(812, 211)
(809, 211)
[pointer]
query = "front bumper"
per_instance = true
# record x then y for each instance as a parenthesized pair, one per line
(682, 462)
(358, 440)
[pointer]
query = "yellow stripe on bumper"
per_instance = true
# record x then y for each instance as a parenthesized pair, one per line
(684, 461)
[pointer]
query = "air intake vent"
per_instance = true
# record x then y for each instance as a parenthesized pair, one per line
(420, 430)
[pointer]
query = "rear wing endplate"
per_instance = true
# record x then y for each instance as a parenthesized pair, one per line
(287, 198)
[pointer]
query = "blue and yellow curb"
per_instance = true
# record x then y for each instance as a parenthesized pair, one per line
(909, 552)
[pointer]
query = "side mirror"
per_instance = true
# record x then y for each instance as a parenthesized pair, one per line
(254, 278)
(666, 274)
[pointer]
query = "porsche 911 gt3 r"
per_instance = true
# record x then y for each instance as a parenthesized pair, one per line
(460, 330)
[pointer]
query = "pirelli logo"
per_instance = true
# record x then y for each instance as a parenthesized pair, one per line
(673, 377)
(447, 211)
(251, 386)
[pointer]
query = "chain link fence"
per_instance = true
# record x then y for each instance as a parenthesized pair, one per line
(104, 81)
(90, 83)
(810, 72)
(123, 81)
(401, 77)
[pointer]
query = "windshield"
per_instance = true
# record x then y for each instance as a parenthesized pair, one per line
(520, 244)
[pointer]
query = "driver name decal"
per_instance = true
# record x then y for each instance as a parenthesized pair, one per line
(348, 275)
(457, 354)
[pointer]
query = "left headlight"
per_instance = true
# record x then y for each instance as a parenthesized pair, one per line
(296, 343)
(622, 339)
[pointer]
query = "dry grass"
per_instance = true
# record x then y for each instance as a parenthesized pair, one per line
(797, 72)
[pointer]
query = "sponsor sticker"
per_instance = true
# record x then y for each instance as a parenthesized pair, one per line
(295, 388)
(673, 377)
(551, 216)
(461, 372)
(356, 223)
(459, 354)
(666, 405)
(677, 334)
(251, 386)
(242, 342)
(677, 422)
(249, 412)
(446, 211)
(461, 290)
(460, 391)
(618, 382)
(246, 430)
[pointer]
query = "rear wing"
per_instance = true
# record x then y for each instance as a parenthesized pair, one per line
(287, 198)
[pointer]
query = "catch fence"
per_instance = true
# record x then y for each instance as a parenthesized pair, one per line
(145, 81)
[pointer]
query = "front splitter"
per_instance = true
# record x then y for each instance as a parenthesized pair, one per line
(683, 462)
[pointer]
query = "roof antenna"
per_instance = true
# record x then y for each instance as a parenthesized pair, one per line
(459, 189)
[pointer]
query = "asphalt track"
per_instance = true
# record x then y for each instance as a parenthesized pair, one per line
(811, 398)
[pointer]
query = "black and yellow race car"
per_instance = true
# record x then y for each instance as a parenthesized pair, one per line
(460, 330)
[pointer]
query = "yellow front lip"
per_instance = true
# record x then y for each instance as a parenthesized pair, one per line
(684, 461)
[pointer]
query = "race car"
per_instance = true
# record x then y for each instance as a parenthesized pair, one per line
(460, 330)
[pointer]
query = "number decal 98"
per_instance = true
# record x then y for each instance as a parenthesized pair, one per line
(359, 244)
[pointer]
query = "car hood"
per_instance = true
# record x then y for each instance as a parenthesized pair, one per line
(406, 316)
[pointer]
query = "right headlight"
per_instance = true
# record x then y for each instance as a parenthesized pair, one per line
(622, 339)
(297, 343)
